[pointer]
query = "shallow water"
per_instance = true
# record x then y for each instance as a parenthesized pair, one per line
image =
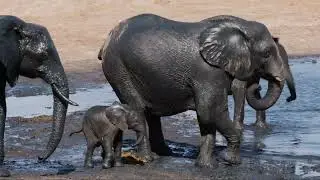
(295, 126)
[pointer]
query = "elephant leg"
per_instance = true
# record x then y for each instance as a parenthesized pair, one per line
(119, 79)
(238, 92)
(89, 153)
(107, 144)
(260, 117)
(261, 120)
(205, 114)
(117, 145)
(3, 111)
(144, 149)
(207, 143)
(156, 137)
(103, 153)
(91, 145)
(212, 111)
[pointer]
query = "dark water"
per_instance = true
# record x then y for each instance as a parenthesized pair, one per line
(294, 133)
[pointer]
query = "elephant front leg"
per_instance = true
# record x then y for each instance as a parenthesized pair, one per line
(117, 145)
(260, 116)
(261, 120)
(3, 110)
(238, 92)
(144, 150)
(212, 111)
(207, 143)
(107, 144)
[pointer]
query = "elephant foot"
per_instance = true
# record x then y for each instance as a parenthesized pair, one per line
(118, 163)
(4, 172)
(206, 162)
(231, 155)
(88, 165)
(107, 164)
(238, 125)
(155, 156)
(161, 150)
(261, 125)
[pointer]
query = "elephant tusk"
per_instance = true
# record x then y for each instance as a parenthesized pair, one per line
(56, 89)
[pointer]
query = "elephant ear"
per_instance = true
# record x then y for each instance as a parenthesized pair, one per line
(226, 46)
(117, 117)
(10, 57)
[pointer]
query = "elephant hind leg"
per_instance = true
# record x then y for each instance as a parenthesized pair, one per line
(156, 137)
(92, 143)
(120, 80)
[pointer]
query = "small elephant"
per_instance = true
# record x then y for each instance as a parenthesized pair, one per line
(104, 126)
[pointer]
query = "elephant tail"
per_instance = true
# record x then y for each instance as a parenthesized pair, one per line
(76, 132)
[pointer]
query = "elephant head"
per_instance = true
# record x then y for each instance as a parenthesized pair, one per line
(244, 49)
(27, 49)
(117, 116)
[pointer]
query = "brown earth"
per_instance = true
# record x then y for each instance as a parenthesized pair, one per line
(79, 27)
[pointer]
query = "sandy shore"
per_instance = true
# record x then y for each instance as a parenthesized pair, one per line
(79, 27)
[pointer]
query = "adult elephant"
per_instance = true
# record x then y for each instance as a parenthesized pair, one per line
(163, 67)
(238, 89)
(27, 49)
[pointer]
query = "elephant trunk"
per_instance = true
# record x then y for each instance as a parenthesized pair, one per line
(271, 97)
(138, 141)
(287, 73)
(55, 76)
(291, 85)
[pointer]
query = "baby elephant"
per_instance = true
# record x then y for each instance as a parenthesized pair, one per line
(104, 126)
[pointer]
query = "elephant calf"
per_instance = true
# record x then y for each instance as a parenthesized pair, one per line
(104, 126)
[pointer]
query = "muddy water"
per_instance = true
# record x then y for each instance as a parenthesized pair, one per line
(294, 132)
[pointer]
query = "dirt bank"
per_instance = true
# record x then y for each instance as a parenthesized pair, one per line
(79, 27)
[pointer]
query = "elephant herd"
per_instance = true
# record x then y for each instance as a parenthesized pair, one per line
(161, 67)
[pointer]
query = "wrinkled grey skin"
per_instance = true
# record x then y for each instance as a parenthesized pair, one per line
(27, 49)
(163, 67)
(104, 126)
(238, 89)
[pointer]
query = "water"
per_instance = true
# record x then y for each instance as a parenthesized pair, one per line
(295, 126)
(25, 106)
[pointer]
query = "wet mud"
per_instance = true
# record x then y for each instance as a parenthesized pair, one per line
(290, 149)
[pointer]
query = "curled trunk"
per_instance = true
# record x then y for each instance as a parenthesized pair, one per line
(271, 97)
